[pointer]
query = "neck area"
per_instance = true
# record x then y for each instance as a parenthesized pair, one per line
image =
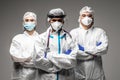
(30, 32)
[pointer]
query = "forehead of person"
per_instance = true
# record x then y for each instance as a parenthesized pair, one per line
(29, 19)
(56, 19)
(30, 15)
(86, 14)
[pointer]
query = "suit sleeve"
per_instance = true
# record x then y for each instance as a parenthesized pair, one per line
(16, 51)
(101, 46)
(65, 60)
(40, 61)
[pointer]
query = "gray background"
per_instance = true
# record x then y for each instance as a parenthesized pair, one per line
(107, 15)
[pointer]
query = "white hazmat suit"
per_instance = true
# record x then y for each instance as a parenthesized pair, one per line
(55, 61)
(22, 47)
(92, 44)
(22, 50)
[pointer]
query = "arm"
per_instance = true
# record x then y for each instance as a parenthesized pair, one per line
(81, 54)
(41, 61)
(101, 46)
(63, 60)
(15, 52)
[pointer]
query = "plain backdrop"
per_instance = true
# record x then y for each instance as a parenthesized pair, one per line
(107, 15)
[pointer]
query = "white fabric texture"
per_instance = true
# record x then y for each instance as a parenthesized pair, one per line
(22, 49)
(56, 61)
(89, 67)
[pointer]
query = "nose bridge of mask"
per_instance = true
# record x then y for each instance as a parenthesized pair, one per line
(87, 20)
(29, 25)
(56, 25)
(86, 17)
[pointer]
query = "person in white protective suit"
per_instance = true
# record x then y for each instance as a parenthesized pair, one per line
(92, 43)
(22, 49)
(56, 52)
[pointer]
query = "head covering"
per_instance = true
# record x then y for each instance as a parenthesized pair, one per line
(30, 14)
(56, 13)
(87, 9)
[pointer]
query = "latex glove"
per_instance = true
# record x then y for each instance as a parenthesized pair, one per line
(80, 47)
(68, 51)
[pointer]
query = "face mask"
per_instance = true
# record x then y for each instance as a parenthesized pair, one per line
(87, 21)
(29, 26)
(56, 25)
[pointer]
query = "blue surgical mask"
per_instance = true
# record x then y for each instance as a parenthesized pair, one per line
(29, 26)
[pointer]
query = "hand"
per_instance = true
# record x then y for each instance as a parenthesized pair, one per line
(68, 51)
(46, 51)
(80, 47)
(98, 43)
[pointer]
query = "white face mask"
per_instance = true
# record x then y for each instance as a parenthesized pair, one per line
(87, 21)
(56, 25)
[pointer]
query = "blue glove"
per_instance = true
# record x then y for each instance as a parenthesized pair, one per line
(68, 51)
(80, 47)
(98, 43)
(45, 55)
